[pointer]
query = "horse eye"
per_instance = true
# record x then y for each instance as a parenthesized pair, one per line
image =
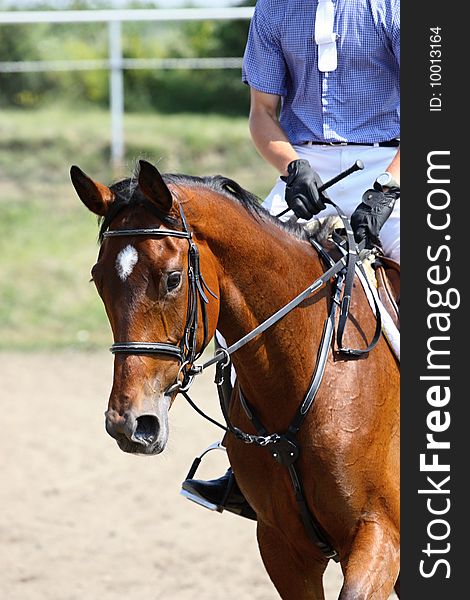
(173, 281)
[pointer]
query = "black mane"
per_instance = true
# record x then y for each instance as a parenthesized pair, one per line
(128, 194)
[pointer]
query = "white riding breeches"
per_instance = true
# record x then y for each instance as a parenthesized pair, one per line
(329, 161)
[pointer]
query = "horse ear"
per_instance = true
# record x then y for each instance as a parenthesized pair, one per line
(95, 196)
(152, 185)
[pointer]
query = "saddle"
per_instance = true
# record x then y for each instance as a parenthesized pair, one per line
(383, 272)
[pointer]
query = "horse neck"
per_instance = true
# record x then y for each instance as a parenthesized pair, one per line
(261, 267)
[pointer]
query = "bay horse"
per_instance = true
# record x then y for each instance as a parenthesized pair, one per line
(251, 264)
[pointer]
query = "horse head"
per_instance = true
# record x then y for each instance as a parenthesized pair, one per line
(159, 311)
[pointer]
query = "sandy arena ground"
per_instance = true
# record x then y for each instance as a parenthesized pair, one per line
(81, 519)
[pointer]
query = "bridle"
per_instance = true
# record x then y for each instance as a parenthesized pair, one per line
(284, 447)
(186, 351)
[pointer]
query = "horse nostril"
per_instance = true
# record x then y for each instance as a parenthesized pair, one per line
(147, 429)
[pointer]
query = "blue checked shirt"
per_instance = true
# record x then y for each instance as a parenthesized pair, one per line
(360, 100)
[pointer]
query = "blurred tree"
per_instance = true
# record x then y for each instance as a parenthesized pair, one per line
(161, 90)
(20, 42)
(218, 91)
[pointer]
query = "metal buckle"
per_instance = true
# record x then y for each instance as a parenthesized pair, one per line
(332, 554)
(227, 356)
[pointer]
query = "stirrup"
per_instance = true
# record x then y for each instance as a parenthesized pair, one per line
(192, 471)
(201, 501)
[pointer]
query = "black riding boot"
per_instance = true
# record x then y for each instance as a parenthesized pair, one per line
(219, 494)
(223, 493)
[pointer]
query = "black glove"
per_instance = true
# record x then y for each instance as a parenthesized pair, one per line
(369, 217)
(302, 193)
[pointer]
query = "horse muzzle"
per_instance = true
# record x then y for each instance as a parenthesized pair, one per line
(139, 432)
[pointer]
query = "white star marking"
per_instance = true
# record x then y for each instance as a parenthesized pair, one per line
(125, 261)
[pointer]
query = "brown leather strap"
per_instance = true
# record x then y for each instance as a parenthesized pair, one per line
(387, 273)
(392, 269)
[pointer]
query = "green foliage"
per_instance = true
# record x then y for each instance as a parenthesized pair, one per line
(20, 43)
(162, 90)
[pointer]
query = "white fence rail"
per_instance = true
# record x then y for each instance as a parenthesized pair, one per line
(115, 62)
(139, 14)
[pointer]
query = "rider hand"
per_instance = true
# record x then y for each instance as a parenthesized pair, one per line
(369, 217)
(302, 193)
